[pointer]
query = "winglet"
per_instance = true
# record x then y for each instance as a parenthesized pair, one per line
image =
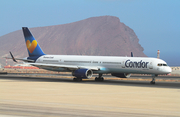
(12, 57)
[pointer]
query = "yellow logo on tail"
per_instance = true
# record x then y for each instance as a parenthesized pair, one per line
(31, 46)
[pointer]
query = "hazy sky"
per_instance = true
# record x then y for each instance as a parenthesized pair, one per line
(155, 22)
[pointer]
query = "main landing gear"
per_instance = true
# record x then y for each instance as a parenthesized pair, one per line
(77, 79)
(153, 78)
(100, 78)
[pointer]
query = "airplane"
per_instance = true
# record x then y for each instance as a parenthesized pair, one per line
(83, 67)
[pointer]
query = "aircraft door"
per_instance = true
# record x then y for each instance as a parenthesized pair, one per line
(123, 63)
(151, 65)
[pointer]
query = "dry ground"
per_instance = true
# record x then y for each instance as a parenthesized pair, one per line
(82, 99)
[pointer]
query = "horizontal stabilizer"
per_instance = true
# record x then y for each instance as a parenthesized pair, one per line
(21, 59)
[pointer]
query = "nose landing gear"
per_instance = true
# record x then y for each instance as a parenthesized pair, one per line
(153, 78)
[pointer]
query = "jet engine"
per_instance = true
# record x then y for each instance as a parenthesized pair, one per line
(121, 75)
(83, 73)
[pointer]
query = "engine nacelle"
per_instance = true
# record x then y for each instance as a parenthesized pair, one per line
(121, 75)
(83, 73)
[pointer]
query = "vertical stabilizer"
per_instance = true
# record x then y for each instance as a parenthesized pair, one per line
(33, 47)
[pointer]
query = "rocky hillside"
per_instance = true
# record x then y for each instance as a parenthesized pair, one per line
(104, 35)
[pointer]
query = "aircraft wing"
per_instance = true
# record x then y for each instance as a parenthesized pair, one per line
(89, 67)
(69, 67)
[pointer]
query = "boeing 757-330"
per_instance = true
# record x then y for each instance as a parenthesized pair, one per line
(83, 67)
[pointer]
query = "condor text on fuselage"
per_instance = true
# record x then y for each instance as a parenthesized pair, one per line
(134, 64)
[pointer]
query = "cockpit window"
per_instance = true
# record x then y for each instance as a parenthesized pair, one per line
(161, 64)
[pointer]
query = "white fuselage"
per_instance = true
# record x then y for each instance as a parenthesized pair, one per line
(108, 64)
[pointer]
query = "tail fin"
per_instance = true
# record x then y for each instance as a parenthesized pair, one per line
(33, 47)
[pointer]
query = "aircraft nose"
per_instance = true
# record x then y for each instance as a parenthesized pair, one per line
(168, 70)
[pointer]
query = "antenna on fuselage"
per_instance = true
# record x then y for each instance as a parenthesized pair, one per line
(131, 54)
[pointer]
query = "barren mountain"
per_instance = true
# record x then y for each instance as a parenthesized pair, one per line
(104, 35)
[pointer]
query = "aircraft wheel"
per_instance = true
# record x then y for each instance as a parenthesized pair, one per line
(74, 79)
(152, 82)
(79, 79)
(99, 79)
(102, 79)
